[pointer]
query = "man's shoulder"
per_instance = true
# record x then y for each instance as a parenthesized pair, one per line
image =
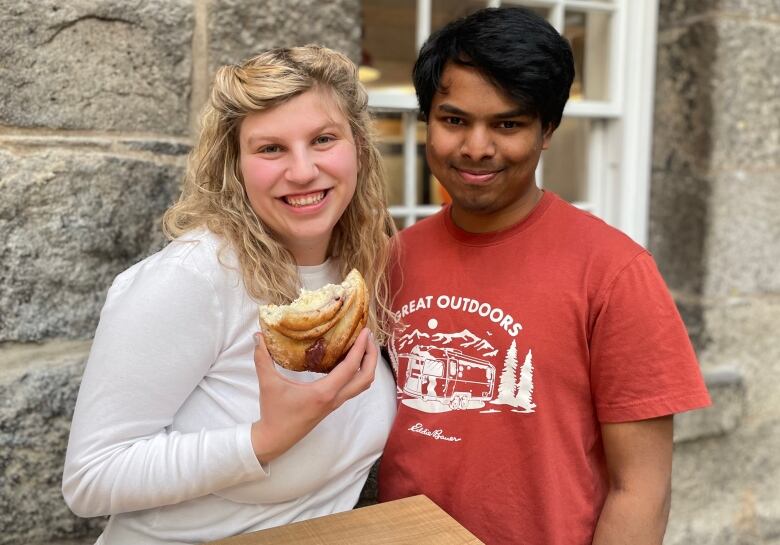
(587, 233)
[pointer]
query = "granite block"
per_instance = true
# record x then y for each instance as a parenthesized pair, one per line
(108, 65)
(38, 387)
(680, 12)
(70, 221)
(238, 30)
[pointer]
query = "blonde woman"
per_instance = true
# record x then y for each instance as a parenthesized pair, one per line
(184, 429)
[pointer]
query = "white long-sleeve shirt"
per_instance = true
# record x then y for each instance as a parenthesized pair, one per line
(160, 438)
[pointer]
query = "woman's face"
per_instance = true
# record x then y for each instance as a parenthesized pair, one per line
(299, 165)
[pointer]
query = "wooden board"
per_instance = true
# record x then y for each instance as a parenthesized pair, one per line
(409, 521)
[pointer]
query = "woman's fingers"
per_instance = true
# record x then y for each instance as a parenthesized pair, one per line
(345, 370)
(364, 377)
(356, 371)
(264, 364)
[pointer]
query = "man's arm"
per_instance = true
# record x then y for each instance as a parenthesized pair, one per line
(639, 463)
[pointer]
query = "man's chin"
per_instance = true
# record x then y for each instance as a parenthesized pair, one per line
(480, 207)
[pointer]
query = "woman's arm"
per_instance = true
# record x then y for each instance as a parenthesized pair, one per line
(160, 331)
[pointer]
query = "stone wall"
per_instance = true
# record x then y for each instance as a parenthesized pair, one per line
(715, 230)
(97, 105)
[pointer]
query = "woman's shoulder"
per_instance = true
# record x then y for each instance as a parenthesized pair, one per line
(199, 253)
(200, 249)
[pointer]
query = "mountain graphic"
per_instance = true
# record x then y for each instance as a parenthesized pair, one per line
(409, 338)
(466, 338)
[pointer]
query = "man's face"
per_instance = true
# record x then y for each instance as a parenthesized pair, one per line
(484, 149)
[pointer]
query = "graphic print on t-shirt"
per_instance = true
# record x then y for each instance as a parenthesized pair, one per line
(441, 366)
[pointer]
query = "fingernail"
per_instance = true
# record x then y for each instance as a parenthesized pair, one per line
(257, 336)
(371, 336)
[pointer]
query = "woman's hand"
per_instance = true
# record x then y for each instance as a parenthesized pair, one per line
(290, 409)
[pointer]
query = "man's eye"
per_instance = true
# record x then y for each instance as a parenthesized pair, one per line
(509, 125)
(453, 120)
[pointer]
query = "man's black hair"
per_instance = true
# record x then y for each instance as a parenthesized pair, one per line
(516, 49)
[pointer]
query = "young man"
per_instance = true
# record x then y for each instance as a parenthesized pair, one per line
(539, 355)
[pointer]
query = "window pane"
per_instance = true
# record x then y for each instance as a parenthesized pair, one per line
(589, 35)
(390, 142)
(388, 43)
(565, 162)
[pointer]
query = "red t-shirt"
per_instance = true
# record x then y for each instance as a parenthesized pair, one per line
(513, 348)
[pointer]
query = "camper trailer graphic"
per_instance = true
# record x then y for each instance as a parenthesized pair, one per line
(448, 376)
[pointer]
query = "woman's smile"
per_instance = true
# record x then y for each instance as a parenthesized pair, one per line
(305, 201)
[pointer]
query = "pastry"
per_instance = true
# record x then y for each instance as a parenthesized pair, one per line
(314, 332)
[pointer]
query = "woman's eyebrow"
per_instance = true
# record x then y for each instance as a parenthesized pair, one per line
(260, 137)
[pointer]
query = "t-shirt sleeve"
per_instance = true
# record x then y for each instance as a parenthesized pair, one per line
(642, 362)
(159, 333)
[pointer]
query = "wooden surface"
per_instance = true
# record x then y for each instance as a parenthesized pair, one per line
(411, 521)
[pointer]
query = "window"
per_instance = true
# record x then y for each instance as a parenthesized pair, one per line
(599, 158)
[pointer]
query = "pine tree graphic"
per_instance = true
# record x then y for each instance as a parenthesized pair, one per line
(525, 386)
(506, 384)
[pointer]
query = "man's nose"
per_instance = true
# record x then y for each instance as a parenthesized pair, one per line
(478, 144)
(302, 168)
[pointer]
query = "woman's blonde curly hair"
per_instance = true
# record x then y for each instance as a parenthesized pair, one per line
(214, 195)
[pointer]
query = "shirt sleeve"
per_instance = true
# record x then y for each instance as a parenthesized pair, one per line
(642, 362)
(159, 332)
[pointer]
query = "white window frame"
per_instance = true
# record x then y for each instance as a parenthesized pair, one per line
(621, 129)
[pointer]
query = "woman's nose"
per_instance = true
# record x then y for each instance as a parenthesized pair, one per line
(302, 168)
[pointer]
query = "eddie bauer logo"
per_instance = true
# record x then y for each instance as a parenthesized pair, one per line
(435, 434)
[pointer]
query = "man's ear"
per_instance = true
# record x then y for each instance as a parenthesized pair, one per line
(547, 135)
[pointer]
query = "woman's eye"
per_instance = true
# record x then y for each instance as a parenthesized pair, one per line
(270, 148)
(323, 139)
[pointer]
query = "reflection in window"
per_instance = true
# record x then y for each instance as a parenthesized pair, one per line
(390, 142)
(389, 127)
(589, 32)
(388, 44)
(565, 162)
(444, 11)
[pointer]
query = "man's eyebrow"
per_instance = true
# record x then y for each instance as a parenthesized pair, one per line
(515, 112)
(450, 109)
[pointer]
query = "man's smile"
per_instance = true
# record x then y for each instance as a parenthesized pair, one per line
(477, 176)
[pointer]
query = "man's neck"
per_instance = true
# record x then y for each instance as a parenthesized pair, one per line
(473, 222)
